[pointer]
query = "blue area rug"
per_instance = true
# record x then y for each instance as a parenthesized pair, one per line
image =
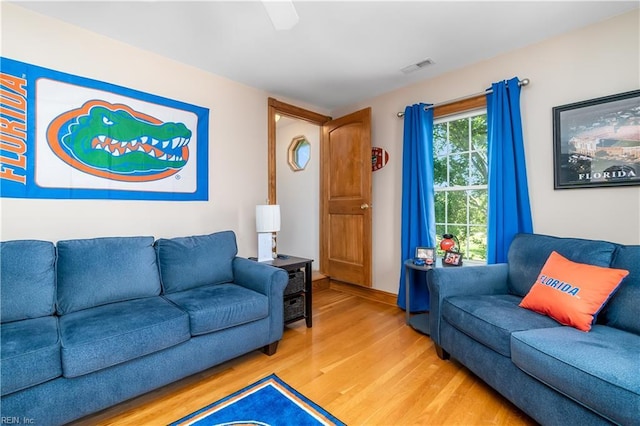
(268, 402)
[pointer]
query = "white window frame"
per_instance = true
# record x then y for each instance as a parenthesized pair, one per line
(459, 188)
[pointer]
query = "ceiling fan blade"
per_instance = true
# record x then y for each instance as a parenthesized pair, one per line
(282, 13)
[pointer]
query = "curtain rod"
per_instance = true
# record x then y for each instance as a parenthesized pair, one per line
(522, 82)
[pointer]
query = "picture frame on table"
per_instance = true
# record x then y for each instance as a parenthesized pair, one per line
(425, 256)
(452, 258)
(596, 143)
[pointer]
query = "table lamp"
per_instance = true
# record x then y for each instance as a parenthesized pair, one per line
(450, 243)
(267, 224)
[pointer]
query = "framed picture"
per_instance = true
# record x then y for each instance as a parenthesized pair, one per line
(597, 142)
(427, 254)
(452, 258)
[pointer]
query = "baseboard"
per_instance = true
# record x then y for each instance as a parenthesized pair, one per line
(322, 282)
(365, 292)
(319, 281)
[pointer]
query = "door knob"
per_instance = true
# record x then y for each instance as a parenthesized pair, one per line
(364, 206)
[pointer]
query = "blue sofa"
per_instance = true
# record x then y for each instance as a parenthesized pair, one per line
(89, 323)
(556, 374)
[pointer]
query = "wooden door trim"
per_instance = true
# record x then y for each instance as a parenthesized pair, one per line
(277, 107)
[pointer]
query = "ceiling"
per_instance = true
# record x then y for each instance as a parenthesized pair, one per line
(339, 52)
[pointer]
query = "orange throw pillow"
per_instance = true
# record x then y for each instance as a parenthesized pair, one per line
(572, 293)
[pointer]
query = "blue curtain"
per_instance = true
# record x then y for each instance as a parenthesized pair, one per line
(418, 213)
(509, 211)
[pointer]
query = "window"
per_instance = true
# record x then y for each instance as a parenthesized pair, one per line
(299, 153)
(460, 180)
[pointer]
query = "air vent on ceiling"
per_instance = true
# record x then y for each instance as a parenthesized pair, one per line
(417, 66)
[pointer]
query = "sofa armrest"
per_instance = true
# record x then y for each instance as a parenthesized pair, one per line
(268, 280)
(464, 281)
(260, 277)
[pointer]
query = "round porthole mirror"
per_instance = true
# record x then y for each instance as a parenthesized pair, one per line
(299, 153)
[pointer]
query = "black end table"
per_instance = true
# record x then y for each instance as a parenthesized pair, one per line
(293, 264)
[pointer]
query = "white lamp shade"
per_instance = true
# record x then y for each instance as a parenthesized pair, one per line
(268, 218)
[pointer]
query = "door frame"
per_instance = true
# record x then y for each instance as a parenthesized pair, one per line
(288, 110)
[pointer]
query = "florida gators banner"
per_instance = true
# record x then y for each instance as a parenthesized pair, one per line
(64, 136)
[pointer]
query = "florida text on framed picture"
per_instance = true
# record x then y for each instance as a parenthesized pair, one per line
(597, 142)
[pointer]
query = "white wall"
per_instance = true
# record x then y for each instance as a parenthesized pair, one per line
(299, 193)
(237, 139)
(599, 60)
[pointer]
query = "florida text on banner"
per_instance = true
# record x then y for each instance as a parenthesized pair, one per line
(64, 136)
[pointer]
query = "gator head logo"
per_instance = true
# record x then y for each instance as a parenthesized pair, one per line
(118, 143)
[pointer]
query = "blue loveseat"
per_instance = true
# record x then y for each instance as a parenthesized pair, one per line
(89, 323)
(556, 374)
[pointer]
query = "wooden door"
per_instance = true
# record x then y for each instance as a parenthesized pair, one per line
(345, 198)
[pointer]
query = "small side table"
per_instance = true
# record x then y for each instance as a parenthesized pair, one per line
(419, 322)
(293, 264)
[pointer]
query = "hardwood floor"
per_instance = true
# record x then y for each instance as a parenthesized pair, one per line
(359, 361)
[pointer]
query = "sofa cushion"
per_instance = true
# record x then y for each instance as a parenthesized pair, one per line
(622, 310)
(490, 319)
(600, 369)
(190, 262)
(27, 268)
(94, 272)
(30, 353)
(97, 338)
(219, 306)
(572, 293)
(529, 252)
